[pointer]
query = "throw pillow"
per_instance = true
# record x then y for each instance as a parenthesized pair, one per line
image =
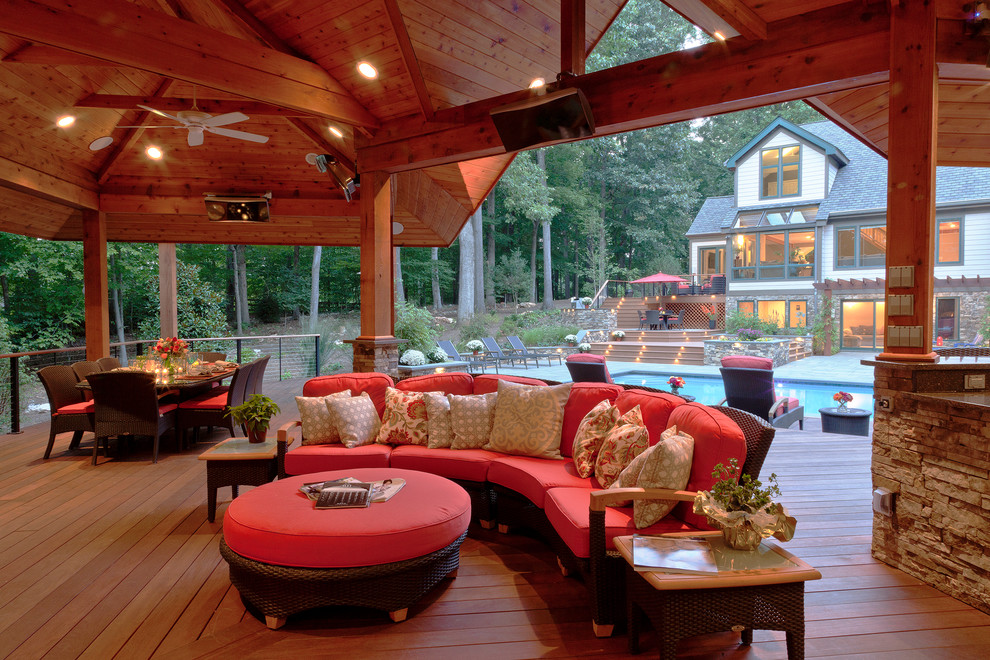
(356, 419)
(667, 466)
(437, 420)
(590, 435)
(624, 442)
(404, 418)
(528, 419)
(471, 419)
(317, 424)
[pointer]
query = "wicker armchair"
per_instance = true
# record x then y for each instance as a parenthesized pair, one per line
(207, 356)
(127, 404)
(82, 370)
(108, 363)
(69, 410)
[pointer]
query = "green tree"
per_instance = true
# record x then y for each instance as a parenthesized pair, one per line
(200, 307)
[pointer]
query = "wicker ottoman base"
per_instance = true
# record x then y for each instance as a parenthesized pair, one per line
(278, 591)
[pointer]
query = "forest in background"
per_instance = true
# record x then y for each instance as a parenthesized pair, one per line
(561, 221)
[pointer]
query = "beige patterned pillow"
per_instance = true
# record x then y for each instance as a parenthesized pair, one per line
(437, 420)
(590, 436)
(471, 419)
(317, 425)
(404, 419)
(629, 477)
(528, 419)
(624, 442)
(667, 466)
(356, 419)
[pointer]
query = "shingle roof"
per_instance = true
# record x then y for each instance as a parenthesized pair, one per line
(860, 186)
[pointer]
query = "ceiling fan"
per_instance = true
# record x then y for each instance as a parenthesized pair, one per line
(198, 122)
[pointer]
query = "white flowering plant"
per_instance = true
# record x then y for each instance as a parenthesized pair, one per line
(474, 345)
(436, 355)
(584, 347)
(571, 339)
(586, 301)
(412, 358)
(618, 334)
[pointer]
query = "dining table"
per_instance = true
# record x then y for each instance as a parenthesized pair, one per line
(185, 385)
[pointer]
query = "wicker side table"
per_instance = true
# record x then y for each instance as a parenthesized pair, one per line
(849, 421)
(237, 462)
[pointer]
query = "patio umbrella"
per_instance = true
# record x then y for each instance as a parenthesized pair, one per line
(658, 277)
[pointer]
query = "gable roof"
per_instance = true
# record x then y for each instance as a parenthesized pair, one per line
(712, 215)
(828, 148)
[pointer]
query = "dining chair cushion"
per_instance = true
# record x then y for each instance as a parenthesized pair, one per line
(404, 419)
(590, 435)
(528, 419)
(471, 419)
(627, 439)
(166, 408)
(356, 419)
(77, 408)
(206, 401)
(318, 427)
(439, 435)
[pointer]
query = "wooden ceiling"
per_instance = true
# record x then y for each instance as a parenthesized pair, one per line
(443, 64)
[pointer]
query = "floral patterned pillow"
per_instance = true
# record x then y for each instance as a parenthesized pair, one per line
(471, 419)
(668, 465)
(356, 419)
(590, 436)
(438, 420)
(317, 424)
(404, 419)
(627, 439)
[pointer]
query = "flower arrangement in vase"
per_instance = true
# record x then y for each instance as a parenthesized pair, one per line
(842, 398)
(676, 383)
(475, 346)
(743, 509)
(170, 351)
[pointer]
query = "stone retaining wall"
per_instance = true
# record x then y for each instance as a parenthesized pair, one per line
(777, 350)
(591, 319)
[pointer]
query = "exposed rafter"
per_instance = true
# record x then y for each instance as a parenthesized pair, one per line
(572, 36)
(743, 19)
(409, 58)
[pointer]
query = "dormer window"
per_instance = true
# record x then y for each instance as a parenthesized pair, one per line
(780, 172)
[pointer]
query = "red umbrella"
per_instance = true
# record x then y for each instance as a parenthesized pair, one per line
(659, 277)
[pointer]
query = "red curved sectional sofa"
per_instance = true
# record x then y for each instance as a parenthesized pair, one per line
(546, 494)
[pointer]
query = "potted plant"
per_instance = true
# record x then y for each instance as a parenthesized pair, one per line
(743, 509)
(571, 340)
(586, 301)
(475, 346)
(584, 347)
(617, 335)
(712, 318)
(255, 414)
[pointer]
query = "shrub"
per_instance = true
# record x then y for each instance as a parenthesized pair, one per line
(479, 325)
(749, 334)
(412, 358)
(824, 325)
(436, 355)
(547, 336)
(417, 326)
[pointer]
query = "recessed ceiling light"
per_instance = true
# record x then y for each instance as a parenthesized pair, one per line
(154, 152)
(335, 131)
(718, 35)
(65, 121)
(101, 143)
(367, 70)
(537, 82)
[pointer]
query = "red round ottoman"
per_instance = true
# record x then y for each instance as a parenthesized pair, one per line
(286, 556)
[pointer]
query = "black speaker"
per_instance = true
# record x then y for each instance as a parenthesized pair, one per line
(552, 117)
(237, 209)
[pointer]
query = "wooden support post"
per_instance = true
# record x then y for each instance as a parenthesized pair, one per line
(572, 36)
(376, 349)
(911, 171)
(95, 285)
(168, 310)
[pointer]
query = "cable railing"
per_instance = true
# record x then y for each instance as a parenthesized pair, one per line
(693, 284)
(23, 399)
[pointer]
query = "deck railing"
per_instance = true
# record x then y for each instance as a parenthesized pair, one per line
(22, 395)
(695, 284)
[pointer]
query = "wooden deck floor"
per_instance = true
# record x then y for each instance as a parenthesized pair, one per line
(118, 561)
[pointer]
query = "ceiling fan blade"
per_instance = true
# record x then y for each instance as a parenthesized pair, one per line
(160, 113)
(149, 126)
(195, 137)
(240, 135)
(223, 120)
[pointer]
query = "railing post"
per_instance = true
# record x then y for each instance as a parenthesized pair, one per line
(238, 343)
(15, 397)
(280, 358)
(317, 355)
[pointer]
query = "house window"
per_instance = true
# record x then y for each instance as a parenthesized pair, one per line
(946, 315)
(744, 257)
(780, 172)
(747, 307)
(863, 323)
(775, 217)
(711, 260)
(798, 316)
(801, 254)
(863, 246)
(772, 247)
(782, 255)
(949, 246)
(772, 311)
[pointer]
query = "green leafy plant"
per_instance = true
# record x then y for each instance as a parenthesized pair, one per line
(735, 493)
(256, 413)
(416, 325)
(824, 326)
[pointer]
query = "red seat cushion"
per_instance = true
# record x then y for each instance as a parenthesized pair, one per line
(533, 477)
(453, 382)
(790, 403)
(317, 458)
(207, 401)
(374, 384)
(567, 511)
(583, 397)
(486, 383)
(466, 464)
(656, 408)
(166, 408)
(716, 439)
(747, 362)
(276, 524)
(82, 407)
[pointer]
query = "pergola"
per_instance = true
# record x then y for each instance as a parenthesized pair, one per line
(909, 78)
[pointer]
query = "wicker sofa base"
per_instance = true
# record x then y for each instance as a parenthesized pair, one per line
(278, 591)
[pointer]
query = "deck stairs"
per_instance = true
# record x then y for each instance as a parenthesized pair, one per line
(657, 346)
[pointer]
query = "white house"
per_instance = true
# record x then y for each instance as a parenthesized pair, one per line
(808, 221)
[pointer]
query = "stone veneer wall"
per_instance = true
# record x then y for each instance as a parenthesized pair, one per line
(935, 455)
(591, 319)
(777, 350)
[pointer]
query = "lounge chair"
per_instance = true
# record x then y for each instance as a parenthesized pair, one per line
(535, 354)
(495, 352)
(748, 382)
(588, 368)
(475, 362)
(978, 340)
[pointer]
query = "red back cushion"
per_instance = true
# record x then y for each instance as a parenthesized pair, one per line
(373, 383)
(716, 439)
(583, 397)
(747, 362)
(586, 357)
(486, 383)
(655, 407)
(448, 383)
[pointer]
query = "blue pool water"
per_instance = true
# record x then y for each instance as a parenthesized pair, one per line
(709, 389)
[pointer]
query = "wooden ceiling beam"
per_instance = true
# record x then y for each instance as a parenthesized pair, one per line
(43, 185)
(743, 19)
(135, 118)
(409, 58)
(322, 143)
(822, 106)
(847, 49)
(166, 205)
(175, 104)
(573, 24)
(43, 54)
(174, 48)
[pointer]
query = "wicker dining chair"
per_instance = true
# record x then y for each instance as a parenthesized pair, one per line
(256, 378)
(127, 404)
(69, 410)
(108, 363)
(210, 408)
(82, 370)
(207, 356)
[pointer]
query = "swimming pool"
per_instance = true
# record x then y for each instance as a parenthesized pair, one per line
(709, 389)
